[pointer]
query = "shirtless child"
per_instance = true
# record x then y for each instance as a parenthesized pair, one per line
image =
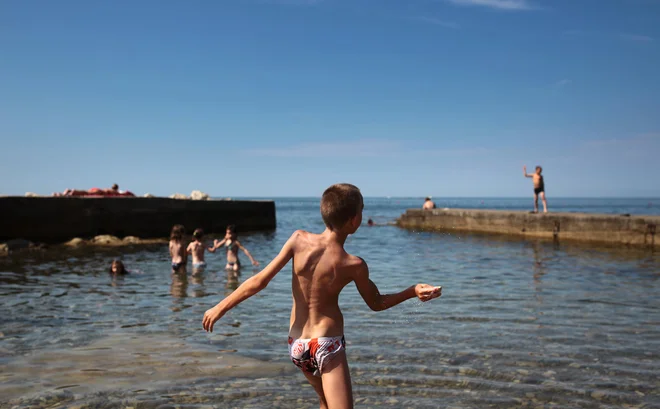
(196, 248)
(321, 269)
(539, 188)
(177, 249)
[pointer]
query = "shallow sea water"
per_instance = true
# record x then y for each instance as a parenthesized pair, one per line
(520, 323)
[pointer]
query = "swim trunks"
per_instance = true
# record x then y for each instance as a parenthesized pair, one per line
(176, 266)
(538, 190)
(237, 262)
(201, 264)
(310, 355)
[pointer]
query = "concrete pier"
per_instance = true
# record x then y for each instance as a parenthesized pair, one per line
(617, 230)
(58, 219)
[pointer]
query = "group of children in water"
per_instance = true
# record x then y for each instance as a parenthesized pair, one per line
(179, 251)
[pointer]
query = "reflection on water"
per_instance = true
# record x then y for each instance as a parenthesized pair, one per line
(520, 324)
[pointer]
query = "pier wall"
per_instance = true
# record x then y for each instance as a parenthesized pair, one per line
(618, 230)
(58, 219)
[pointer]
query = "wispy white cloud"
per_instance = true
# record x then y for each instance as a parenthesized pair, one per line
(438, 22)
(638, 146)
(636, 37)
(562, 83)
(497, 4)
(639, 38)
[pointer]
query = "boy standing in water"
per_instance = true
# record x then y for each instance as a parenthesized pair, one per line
(196, 248)
(321, 269)
(539, 188)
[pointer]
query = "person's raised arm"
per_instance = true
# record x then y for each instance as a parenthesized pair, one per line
(525, 174)
(251, 286)
(247, 253)
(217, 244)
(379, 302)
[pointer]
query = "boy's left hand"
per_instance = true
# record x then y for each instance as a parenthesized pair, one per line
(427, 292)
(210, 318)
(255, 263)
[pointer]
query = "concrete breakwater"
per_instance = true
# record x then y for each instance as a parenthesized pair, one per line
(58, 219)
(618, 230)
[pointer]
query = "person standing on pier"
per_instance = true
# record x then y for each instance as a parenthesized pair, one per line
(539, 188)
(428, 204)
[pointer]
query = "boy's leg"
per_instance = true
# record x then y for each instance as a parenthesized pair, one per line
(545, 204)
(337, 383)
(536, 202)
(316, 382)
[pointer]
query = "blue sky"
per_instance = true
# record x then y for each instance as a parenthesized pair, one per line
(285, 97)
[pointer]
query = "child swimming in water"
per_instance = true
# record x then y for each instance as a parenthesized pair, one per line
(196, 248)
(177, 249)
(233, 245)
(321, 269)
(117, 268)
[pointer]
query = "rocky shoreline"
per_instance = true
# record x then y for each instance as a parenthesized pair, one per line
(105, 240)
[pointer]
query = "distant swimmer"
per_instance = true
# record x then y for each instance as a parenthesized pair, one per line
(428, 204)
(370, 222)
(539, 188)
(117, 268)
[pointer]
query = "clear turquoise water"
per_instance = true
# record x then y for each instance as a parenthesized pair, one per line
(520, 323)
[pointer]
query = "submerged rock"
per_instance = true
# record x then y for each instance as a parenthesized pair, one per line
(18, 244)
(75, 242)
(199, 195)
(107, 240)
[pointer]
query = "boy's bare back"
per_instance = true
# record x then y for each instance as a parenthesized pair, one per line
(197, 250)
(321, 269)
(177, 252)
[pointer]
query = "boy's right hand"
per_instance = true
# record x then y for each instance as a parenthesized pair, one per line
(210, 318)
(427, 292)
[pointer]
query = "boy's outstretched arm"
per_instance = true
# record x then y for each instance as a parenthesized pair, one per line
(251, 286)
(378, 302)
(525, 174)
(247, 253)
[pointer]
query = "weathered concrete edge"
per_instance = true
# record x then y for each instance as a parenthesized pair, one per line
(599, 229)
(57, 219)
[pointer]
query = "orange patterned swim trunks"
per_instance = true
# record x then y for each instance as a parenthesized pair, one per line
(311, 355)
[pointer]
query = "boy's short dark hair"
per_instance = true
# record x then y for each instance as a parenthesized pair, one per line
(198, 233)
(115, 187)
(539, 168)
(339, 204)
